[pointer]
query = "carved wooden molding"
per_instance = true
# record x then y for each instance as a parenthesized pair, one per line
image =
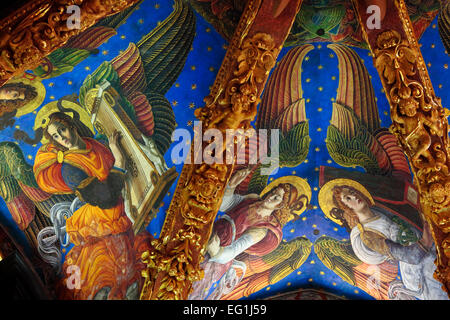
(419, 120)
(173, 263)
(40, 27)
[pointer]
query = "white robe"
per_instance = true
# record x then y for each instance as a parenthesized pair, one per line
(417, 277)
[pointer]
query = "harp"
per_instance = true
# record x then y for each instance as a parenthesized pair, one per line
(145, 187)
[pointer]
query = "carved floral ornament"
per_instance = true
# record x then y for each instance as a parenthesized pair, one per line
(254, 62)
(232, 108)
(420, 123)
(38, 29)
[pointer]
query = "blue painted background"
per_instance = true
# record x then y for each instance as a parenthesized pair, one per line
(319, 80)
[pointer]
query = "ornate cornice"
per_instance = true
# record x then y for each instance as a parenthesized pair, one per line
(419, 120)
(174, 262)
(40, 27)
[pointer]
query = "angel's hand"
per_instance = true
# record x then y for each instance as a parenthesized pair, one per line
(427, 238)
(114, 139)
(213, 245)
(20, 135)
(238, 177)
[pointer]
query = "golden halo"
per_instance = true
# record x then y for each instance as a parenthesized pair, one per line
(300, 184)
(326, 195)
(34, 103)
(42, 116)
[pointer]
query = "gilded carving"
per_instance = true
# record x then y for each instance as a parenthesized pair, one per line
(419, 122)
(415, 118)
(234, 109)
(173, 264)
(254, 62)
(42, 27)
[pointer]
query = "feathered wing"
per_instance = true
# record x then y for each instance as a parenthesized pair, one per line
(282, 107)
(444, 24)
(354, 136)
(271, 268)
(82, 45)
(145, 71)
(165, 49)
(337, 256)
(116, 20)
(22, 195)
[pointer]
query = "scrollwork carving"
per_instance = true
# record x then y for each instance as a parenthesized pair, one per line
(175, 261)
(256, 58)
(38, 29)
(419, 120)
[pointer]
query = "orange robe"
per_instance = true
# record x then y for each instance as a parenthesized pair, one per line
(104, 243)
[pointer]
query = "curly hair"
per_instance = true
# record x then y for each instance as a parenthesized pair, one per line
(341, 211)
(9, 105)
(291, 201)
(65, 120)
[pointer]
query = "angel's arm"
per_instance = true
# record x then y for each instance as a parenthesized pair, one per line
(412, 254)
(231, 199)
(364, 251)
(248, 239)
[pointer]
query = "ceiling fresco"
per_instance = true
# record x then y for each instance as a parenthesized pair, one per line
(117, 93)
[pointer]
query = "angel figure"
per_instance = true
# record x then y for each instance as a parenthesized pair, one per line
(86, 170)
(372, 258)
(142, 74)
(105, 249)
(245, 252)
(375, 253)
(282, 107)
(19, 96)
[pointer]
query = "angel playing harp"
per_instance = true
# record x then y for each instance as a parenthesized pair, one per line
(245, 252)
(85, 172)
(104, 244)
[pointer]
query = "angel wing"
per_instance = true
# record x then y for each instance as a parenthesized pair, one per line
(28, 204)
(282, 107)
(339, 257)
(354, 136)
(82, 45)
(444, 24)
(270, 268)
(145, 71)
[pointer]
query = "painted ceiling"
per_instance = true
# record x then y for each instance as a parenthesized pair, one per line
(319, 76)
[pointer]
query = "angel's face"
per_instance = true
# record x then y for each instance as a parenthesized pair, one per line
(62, 135)
(352, 200)
(274, 200)
(11, 94)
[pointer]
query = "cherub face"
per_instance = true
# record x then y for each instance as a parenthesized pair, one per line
(352, 200)
(63, 135)
(408, 107)
(274, 199)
